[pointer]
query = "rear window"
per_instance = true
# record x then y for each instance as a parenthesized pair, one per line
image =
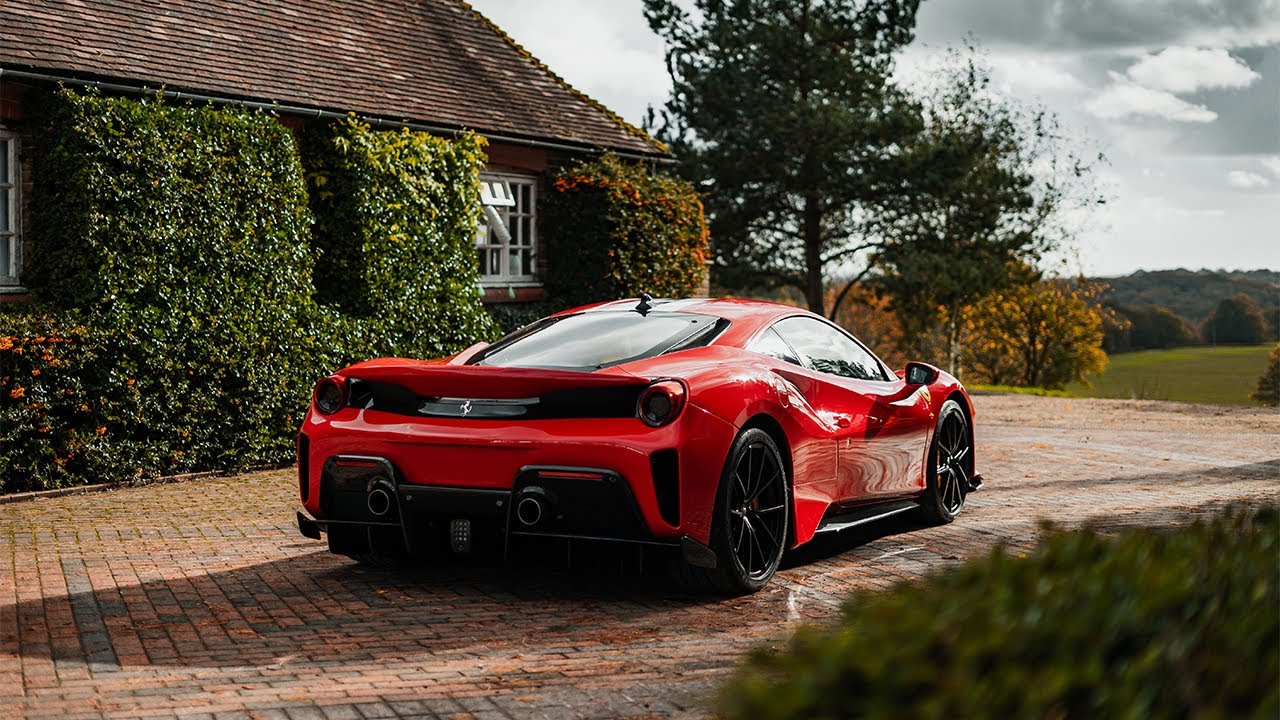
(594, 340)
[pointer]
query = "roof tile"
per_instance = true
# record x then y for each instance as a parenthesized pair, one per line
(430, 61)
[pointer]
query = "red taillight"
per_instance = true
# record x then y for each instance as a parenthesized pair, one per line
(331, 395)
(661, 403)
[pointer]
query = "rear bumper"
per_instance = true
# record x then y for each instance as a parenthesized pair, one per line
(618, 479)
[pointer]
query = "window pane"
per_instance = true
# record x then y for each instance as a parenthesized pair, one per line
(825, 349)
(598, 339)
(771, 344)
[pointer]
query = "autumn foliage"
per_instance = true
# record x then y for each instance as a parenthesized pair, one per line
(615, 230)
(1044, 334)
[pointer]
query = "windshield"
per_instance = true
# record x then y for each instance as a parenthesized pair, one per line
(594, 340)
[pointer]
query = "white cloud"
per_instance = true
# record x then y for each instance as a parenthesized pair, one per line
(1036, 74)
(605, 50)
(1185, 69)
(1124, 98)
(1246, 180)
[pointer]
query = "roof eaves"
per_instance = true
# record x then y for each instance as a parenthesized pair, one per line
(637, 132)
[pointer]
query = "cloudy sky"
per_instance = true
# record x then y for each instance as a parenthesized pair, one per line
(1182, 96)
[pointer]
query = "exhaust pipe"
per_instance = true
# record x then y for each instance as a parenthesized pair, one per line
(533, 508)
(379, 500)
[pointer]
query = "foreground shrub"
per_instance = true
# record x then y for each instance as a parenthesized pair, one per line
(614, 230)
(1142, 625)
(397, 214)
(179, 234)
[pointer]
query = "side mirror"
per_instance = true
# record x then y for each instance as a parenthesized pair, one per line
(920, 374)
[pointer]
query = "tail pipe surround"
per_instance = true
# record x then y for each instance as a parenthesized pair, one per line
(381, 497)
(534, 507)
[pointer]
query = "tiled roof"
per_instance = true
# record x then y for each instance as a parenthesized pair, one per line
(435, 62)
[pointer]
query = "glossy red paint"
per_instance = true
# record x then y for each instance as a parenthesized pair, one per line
(845, 442)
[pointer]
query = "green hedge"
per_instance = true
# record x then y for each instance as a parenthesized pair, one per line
(177, 278)
(614, 230)
(397, 217)
(1146, 624)
(180, 234)
(65, 411)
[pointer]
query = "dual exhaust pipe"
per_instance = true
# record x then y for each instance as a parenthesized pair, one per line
(533, 504)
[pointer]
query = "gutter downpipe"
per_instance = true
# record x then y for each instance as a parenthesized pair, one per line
(306, 112)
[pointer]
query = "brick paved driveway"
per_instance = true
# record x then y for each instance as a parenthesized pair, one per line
(200, 599)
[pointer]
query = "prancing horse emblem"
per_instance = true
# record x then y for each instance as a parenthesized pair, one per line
(466, 408)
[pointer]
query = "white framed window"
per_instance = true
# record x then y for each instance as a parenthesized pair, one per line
(10, 211)
(507, 239)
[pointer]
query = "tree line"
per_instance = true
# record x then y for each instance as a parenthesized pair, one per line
(1234, 320)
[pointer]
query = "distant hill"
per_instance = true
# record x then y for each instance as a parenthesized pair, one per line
(1192, 294)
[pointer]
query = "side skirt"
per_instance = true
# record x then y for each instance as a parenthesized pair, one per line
(864, 515)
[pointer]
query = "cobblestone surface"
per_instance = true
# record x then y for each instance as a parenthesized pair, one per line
(200, 599)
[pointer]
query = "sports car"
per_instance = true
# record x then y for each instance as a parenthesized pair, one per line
(728, 430)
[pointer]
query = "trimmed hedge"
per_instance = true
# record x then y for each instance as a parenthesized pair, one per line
(63, 405)
(179, 329)
(616, 231)
(1143, 624)
(180, 236)
(397, 216)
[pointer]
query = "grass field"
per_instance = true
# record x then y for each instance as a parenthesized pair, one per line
(1194, 374)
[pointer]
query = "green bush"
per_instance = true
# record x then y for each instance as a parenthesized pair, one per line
(397, 214)
(1268, 391)
(180, 233)
(64, 408)
(614, 230)
(1145, 624)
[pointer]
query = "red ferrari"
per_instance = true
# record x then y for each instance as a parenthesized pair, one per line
(730, 430)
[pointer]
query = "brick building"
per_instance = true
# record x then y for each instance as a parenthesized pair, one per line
(433, 65)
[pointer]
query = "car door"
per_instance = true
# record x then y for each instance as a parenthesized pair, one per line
(881, 424)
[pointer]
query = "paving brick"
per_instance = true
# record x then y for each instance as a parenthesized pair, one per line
(200, 599)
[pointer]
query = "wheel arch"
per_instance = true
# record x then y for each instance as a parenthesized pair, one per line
(771, 426)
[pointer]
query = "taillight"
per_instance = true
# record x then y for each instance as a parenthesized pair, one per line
(331, 395)
(661, 403)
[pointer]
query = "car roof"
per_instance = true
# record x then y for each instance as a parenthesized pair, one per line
(747, 316)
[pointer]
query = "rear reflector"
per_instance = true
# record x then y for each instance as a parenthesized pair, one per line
(569, 475)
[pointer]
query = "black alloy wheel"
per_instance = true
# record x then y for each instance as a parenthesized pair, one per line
(751, 516)
(950, 466)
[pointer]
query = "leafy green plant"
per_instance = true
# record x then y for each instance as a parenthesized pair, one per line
(615, 230)
(179, 234)
(397, 213)
(1139, 625)
(65, 411)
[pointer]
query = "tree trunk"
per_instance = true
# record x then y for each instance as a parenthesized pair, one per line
(953, 345)
(813, 291)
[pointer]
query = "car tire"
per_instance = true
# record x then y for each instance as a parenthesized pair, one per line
(750, 519)
(950, 466)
